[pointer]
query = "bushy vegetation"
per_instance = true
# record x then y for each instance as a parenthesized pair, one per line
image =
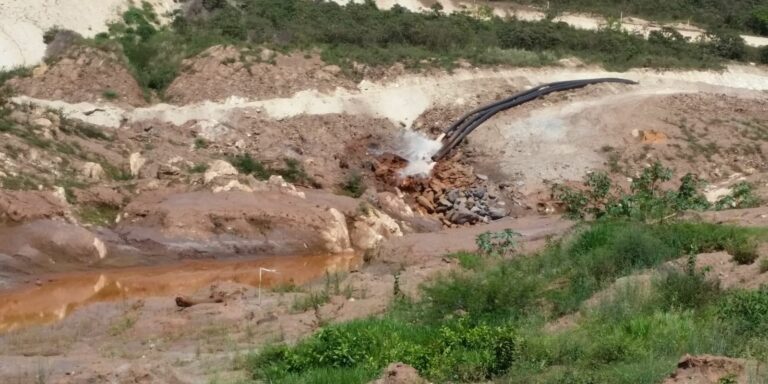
(292, 171)
(490, 321)
(362, 33)
(743, 15)
(353, 185)
(646, 199)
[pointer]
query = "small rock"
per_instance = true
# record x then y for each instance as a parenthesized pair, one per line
(452, 195)
(332, 69)
(444, 202)
(497, 212)
(135, 162)
(233, 185)
(219, 168)
(39, 71)
(482, 177)
(42, 122)
(92, 171)
(464, 216)
(425, 203)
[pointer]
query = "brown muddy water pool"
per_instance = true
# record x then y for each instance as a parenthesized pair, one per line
(56, 296)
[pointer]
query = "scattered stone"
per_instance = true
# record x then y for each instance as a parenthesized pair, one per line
(233, 185)
(101, 249)
(463, 216)
(42, 122)
(219, 168)
(497, 213)
(92, 171)
(425, 203)
(136, 161)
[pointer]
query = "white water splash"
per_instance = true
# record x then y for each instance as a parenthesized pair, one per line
(418, 149)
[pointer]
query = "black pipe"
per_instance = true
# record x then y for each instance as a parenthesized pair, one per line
(467, 123)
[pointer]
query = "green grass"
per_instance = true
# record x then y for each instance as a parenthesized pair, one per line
(102, 215)
(487, 322)
(110, 94)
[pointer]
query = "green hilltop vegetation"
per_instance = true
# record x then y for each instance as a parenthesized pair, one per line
(749, 16)
(500, 319)
(361, 33)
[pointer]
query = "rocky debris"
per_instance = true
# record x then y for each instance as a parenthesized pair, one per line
(372, 227)
(211, 130)
(20, 206)
(99, 195)
(707, 369)
(277, 181)
(219, 168)
(233, 185)
(453, 193)
(92, 171)
(82, 74)
(336, 234)
(394, 205)
(400, 373)
(135, 162)
(222, 72)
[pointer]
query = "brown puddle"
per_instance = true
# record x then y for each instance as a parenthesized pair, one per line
(61, 294)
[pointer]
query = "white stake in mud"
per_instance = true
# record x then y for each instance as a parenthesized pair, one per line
(260, 271)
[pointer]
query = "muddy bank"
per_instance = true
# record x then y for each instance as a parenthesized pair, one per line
(51, 298)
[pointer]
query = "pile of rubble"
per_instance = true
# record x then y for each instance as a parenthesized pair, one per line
(453, 193)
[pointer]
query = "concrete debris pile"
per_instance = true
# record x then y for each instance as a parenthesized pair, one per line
(453, 193)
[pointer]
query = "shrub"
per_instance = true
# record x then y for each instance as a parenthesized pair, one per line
(110, 94)
(746, 310)
(353, 185)
(726, 44)
(744, 251)
(685, 290)
(246, 165)
(201, 143)
(294, 173)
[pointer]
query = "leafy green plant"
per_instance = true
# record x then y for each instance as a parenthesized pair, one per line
(644, 201)
(497, 244)
(742, 196)
(747, 310)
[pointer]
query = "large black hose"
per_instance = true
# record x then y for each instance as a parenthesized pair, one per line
(459, 130)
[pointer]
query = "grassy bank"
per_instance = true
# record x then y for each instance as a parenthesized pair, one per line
(361, 33)
(749, 16)
(489, 321)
